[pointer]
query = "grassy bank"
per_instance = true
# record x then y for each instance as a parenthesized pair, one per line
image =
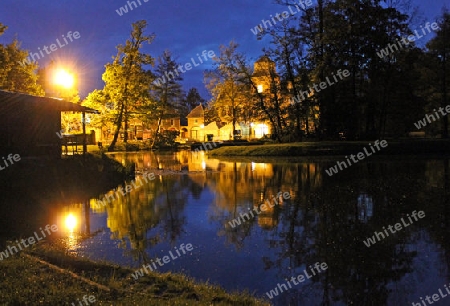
(51, 277)
(402, 147)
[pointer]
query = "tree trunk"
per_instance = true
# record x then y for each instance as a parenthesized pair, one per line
(125, 132)
(234, 120)
(272, 122)
(444, 89)
(156, 132)
(118, 126)
(295, 92)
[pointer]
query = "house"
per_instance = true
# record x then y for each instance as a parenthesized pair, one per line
(214, 130)
(196, 124)
(31, 125)
(265, 77)
(140, 130)
(171, 122)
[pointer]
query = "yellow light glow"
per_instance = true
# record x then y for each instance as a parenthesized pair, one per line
(71, 222)
(63, 78)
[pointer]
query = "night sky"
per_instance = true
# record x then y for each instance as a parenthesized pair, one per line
(184, 27)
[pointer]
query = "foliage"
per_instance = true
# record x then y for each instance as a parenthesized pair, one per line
(193, 98)
(16, 73)
(166, 90)
(231, 94)
(166, 139)
(435, 72)
(375, 99)
(126, 90)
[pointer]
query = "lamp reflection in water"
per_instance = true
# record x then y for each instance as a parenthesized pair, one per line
(72, 221)
(70, 226)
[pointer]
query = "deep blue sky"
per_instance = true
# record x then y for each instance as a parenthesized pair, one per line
(184, 27)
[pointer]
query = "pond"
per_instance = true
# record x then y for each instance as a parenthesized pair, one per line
(373, 234)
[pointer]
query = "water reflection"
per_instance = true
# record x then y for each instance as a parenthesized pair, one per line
(73, 223)
(326, 220)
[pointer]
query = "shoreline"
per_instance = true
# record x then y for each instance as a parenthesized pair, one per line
(410, 147)
(47, 267)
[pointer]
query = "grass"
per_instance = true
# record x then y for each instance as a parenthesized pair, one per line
(27, 281)
(330, 148)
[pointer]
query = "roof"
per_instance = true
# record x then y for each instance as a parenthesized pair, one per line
(264, 58)
(10, 99)
(264, 67)
(197, 112)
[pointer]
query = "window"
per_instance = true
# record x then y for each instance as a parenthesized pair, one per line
(260, 88)
(171, 121)
(195, 120)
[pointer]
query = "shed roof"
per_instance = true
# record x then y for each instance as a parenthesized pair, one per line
(12, 99)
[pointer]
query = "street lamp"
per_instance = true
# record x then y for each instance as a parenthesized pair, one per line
(63, 78)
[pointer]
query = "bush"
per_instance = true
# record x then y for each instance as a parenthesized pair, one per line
(166, 139)
(131, 147)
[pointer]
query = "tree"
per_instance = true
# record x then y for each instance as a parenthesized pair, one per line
(226, 84)
(188, 103)
(166, 90)
(16, 74)
(99, 101)
(193, 98)
(439, 53)
(127, 82)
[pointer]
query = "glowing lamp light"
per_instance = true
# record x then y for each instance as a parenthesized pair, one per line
(64, 79)
(71, 222)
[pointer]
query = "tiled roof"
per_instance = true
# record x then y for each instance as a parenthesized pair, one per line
(197, 112)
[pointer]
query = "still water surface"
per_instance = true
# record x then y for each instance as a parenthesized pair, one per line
(325, 220)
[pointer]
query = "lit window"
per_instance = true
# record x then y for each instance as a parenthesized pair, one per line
(260, 88)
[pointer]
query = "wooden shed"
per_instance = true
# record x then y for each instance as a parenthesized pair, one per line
(29, 125)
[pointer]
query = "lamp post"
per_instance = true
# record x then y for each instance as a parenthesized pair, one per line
(64, 80)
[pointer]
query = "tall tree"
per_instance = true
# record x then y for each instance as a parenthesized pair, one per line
(347, 34)
(193, 98)
(227, 85)
(188, 103)
(439, 52)
(166, 91)
(127, 81)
